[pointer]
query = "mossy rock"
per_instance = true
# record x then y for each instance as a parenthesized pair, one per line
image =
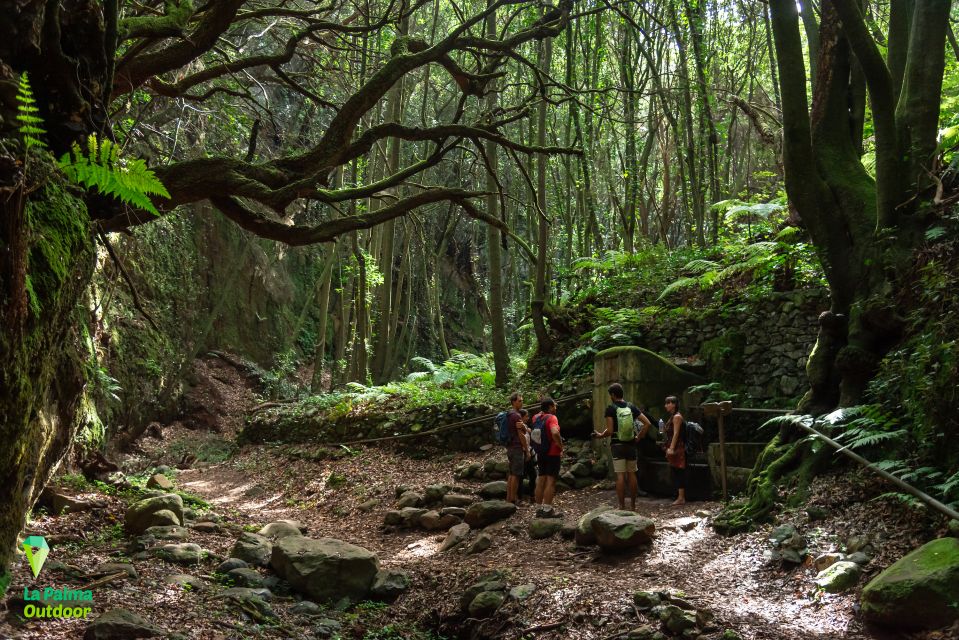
(920, 591)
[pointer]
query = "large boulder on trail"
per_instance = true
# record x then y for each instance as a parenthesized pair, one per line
(540, 528)
(457, 500)
(457, 536)
(433, 521)
(281, 529)
(252, 548)
(163, 510)
(584, 528)
(919, 591)
(839, 576)
(160, 481)
(388, 585)
(622, 530)
(434, 493)
(406, 517)
(485, 513)
(120, 624)
(325, 569)
(409, 499)
(495, 490)
(184, 553)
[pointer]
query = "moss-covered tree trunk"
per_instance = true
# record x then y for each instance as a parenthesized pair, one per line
(865, 229)
(42, 352)
(46, 246)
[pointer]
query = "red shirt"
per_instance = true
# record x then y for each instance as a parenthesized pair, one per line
(551, 421)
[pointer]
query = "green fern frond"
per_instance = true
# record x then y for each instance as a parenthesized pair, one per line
(27, 116)
(357, 387)
(101, 167)
(790, 235)
(792, 421)
(904, 498)
(948, 487)
(678, 285)
(760, 249)
(422, 365)
(925, 474)
(419, 376)
(891, 466)
(577, 360)
(697, 267)
(869, 439)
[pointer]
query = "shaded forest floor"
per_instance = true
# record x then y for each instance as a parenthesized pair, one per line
(589, 592)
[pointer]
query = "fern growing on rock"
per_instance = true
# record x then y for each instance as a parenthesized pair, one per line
(100, 166)
(27, 115)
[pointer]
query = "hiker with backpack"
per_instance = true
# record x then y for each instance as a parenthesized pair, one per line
(548, 446)
(511, 431)
(527, 487)
(626, 425)
(675, 446)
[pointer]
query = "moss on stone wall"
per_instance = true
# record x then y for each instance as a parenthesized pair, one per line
(42, 364)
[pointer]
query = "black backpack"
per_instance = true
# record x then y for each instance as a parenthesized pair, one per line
(501, 428)
(694, 436)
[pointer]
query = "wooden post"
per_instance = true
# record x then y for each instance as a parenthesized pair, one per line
(725, 408)
(720, 411)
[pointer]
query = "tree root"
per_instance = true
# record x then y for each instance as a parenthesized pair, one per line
(787, 461)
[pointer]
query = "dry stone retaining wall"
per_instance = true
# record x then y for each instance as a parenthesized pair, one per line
(760, 347)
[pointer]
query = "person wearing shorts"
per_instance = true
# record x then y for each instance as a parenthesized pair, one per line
(625, 452)
(549, 464)
(517, 451)
(527, 487)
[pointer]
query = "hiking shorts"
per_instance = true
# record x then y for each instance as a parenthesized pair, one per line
(549, 466)
(517, 462)
(624, 457)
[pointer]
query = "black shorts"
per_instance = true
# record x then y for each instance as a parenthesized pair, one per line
(624, 450)
(549, 466)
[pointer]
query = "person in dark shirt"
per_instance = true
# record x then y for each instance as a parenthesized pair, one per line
(549, 464)
(527, 488)
(517, 451)
(621, 418)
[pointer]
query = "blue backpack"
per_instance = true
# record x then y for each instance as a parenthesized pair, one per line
(539, 438)
(501, 428)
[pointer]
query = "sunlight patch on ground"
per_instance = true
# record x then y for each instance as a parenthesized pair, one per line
(798, 612)
(422, 548)
(238, 496)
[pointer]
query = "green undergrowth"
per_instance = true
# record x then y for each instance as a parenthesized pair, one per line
(785, 469)
(618, 298)
(136, 489)
(369, 412)
(781, 476)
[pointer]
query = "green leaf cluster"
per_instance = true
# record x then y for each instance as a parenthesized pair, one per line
(100, 166)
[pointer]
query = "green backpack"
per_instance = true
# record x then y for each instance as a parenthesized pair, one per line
(625, 431)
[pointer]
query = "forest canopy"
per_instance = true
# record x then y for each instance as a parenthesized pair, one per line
(529, 180)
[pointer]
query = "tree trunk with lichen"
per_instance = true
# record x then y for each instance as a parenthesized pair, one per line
(865, 229)
(46, 251)
(42, 352)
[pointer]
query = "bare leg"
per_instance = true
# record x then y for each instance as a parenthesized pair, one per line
(621, 490)
(512, 488)
(633, 490)
(681, 499)
(540, 489)
(549, 490)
